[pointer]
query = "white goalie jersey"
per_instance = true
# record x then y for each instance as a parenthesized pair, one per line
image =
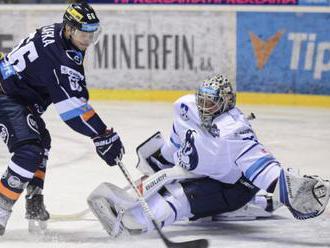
(230, 150)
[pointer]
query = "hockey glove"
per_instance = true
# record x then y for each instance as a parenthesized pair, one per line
(109, 147)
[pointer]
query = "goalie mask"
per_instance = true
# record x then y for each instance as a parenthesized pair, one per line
(214, 97)
(84, 24)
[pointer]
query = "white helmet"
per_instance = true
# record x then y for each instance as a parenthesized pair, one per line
(214, 97)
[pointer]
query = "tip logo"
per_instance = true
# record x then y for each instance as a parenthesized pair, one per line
(263, 49)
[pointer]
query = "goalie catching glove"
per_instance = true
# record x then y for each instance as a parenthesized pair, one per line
(305, 196)
(109, 147)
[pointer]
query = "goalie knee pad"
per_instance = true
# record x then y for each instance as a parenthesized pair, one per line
(177, 199)
(167, 207)
(163, 211)
(305, 196)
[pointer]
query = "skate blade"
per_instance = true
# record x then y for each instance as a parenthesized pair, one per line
(233, 218)
(2, 230)
(37, 226)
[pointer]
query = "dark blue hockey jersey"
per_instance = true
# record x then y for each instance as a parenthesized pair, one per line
(45, 68)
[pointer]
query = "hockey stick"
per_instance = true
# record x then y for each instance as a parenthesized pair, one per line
(198, 243)
(69, 217)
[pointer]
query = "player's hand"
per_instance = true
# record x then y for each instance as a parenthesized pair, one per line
(109, 147)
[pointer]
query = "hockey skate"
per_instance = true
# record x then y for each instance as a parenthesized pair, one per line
(262, 206)
(5, 212)
(36, 212)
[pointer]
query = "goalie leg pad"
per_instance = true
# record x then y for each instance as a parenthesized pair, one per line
(305, 196)
(108, 202)
(108, 216)
(115, 195)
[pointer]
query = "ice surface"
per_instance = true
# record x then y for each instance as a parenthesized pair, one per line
(298, 137)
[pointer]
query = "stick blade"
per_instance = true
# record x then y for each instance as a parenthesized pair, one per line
(198, 243)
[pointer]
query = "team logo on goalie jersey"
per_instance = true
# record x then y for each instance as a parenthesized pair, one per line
(187, 155)
(184, 112)
(214, 131)
(4, 133)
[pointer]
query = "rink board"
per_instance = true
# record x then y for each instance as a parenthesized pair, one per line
(174, 48)
(163, 50)
(242, 97)
(283, 52)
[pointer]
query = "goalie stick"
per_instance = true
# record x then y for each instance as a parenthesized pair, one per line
(198, 243)
(70, 217)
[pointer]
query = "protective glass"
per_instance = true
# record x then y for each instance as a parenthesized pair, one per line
(87, 38)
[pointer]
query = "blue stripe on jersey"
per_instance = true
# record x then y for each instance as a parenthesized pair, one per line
(260, 171)
(174, 210)
(75, 112)
(173, 127)
(260, 164)
(175, 144)
(247, 150)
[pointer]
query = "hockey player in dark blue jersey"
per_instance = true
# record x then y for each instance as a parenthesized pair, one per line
(47, 67)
